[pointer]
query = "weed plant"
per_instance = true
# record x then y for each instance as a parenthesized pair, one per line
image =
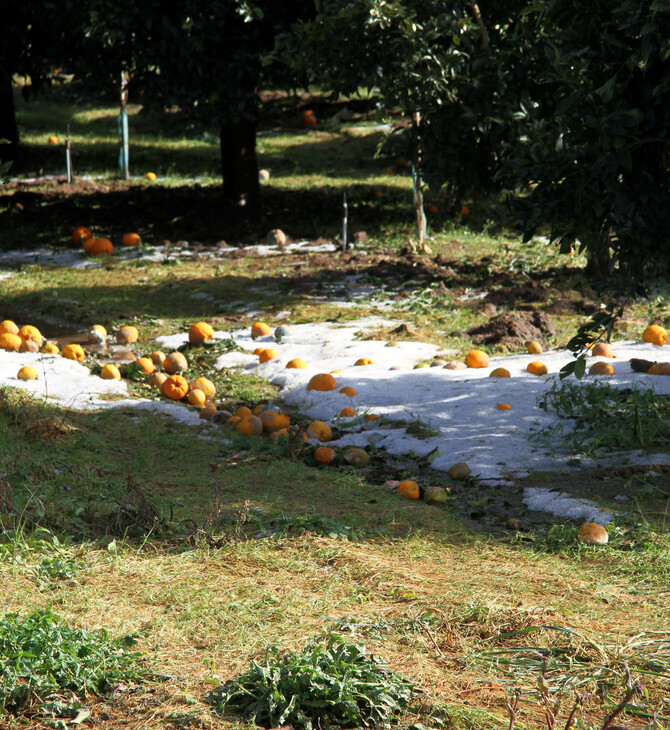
(328, 684)
(602, 418)
(42, 656)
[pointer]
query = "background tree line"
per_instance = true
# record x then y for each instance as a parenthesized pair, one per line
(562, 105)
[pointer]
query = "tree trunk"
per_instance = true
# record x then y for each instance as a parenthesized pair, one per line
(598, 258)
(239, 164)
(8, 127)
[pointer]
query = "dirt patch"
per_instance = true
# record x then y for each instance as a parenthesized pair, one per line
(513, 329)
(530, 291)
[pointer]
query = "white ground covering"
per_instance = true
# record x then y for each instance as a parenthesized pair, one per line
(459, 404)
(75, 258)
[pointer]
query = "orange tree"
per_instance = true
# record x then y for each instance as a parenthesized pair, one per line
(461, 73)
(564, 104)
(594, 169)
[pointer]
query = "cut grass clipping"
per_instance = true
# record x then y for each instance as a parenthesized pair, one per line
(330, 683)
(42, 656)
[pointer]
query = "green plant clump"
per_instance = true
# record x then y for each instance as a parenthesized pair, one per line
(331, 683)
(606, 418)
(41, 655)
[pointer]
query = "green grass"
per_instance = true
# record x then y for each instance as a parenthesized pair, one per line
(211, 547)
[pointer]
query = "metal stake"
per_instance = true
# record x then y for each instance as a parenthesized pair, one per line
(124, 167)
(68, 155)
(345, 221)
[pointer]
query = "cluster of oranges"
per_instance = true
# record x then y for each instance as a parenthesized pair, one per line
(98, 246)
(28, 338)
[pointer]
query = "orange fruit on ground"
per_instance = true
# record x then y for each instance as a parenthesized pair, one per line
(499, 373)
(659, 368)
(655, 334)
(100, 247)
(50, 348)
(323, 382)
(534, 348)
(233, 420)
(74, 352)
(81, 234)
(409, 488)
(205, 385)
(110, 372)
(97, 334)
(157, 379)
(477, 359)
(10, 342)
(459, 471)
(465, 211)
(274, 420)
(175, 387)
(8, 326)
(175, 362)
(200, 332)
(335, 372)
(504, 407)
(28, 332)
(602, 349)
(258, 351)
(157, 358)
(282, 433)
(206, 412)
(29, 346)
(88, 244)
(127, 334)
(267, 355)
(196, 397)
(260, 329)
(52, 139)
(325, 455)
(537, 367)
(593, 534)
(243, 411)
(150, 176)
(298, 363)
(146, 365)
(601, 368)
(372, 417)
(27, 372)
(259, 408)
(131, 239)
(250, 426)
(348, 390)
(347, 413)
(319, 430)
(364, 361)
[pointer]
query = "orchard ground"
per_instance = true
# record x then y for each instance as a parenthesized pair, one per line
(214, 546)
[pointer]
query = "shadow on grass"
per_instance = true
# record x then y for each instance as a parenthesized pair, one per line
(124, 473)
(192, 212)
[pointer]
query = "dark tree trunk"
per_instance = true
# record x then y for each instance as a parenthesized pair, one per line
(239, 164)
(8, 127)
(598, 258)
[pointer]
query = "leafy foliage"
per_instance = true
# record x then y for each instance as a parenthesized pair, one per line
(444, 63)
(599, 326)
(595, 158)
(41, 655)
(332, 683)
(606, 418)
